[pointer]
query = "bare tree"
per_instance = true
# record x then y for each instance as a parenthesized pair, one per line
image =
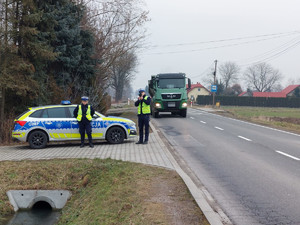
(118, 27)
(262, 77)
(122, 71)
(229, 72)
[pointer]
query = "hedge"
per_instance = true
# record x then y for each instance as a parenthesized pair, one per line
(289, 102)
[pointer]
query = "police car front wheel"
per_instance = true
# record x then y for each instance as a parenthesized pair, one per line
(37, 139)
(115, 135)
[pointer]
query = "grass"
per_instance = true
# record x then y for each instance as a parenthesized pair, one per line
(103, 191)
(282, 118)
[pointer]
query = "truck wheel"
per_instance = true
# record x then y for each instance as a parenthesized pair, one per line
(37, 139)
(115, 135)
(183, 113)
(155, 114)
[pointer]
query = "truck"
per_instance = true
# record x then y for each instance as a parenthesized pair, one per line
(169, 93)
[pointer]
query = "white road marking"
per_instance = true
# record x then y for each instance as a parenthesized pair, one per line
(219, 128)
(249, 123)
(192, 118)
(202, 122)
(247, 139)
(285, 154)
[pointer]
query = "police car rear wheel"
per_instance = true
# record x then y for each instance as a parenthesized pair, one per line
(37, 139)
(115, 135)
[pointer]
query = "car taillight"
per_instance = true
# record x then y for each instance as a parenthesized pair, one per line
(21, 123)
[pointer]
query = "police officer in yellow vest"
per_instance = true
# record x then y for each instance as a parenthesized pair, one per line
(144, 111)
(84, 114)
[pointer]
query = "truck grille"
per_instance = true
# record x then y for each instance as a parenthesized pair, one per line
(171, 96)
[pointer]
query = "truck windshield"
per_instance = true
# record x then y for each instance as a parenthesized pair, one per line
(171, 83)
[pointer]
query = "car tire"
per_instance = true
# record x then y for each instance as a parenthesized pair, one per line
(115, 135)
(37, 139)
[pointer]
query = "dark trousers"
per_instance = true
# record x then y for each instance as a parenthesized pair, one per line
(144, 122)
(85, 127)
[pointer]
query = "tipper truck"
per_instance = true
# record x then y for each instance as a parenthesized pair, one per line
(169, 93)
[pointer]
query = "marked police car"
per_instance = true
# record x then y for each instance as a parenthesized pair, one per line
(42, 124)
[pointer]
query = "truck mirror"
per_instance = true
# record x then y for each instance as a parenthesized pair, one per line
(189, 83)
(150, 83)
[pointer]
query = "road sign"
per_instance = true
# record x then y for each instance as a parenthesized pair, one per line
(214, 88)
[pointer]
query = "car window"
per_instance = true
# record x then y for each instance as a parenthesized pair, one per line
(56, 113)
(44, 114)
(36, 114)
(71, 110)
(19, 116)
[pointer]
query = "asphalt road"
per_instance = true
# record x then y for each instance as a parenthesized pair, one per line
(253, 172)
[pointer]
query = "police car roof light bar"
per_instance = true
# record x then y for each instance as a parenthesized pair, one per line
(66, 102)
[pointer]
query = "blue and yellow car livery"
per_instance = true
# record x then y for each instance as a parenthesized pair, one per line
(42, 124)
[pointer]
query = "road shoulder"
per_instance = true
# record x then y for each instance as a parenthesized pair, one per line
(209, 207)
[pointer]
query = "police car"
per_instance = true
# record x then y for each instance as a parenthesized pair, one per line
(42, 124)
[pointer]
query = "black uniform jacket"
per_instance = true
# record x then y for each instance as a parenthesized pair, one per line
(84, 109)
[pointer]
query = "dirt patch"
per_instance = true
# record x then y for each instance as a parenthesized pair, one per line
(170, 201)
(286, 120)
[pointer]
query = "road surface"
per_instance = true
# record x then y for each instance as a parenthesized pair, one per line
(253, 172)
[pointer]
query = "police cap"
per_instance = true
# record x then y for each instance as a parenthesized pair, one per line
(84, 98)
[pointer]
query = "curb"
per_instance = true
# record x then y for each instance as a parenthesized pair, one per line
(204, 200)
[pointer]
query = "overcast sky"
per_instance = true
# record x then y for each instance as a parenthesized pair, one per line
(181, 26)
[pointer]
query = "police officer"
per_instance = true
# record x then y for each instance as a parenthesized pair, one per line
(84, 114)
(144, 111)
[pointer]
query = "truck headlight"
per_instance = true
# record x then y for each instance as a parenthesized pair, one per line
(184, 105)
(157, 105)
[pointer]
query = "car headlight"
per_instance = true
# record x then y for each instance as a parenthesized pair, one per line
(184, 105)
(131, 124)
(157, 105)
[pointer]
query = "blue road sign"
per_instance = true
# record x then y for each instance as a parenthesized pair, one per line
(214, 88)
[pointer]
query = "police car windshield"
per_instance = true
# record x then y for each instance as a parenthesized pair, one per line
(171, 83)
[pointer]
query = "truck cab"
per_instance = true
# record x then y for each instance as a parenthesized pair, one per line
(169, 93)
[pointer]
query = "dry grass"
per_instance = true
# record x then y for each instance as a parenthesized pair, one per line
(282, 118)
(105, 191)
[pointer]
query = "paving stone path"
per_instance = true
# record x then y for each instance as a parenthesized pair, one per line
(154, 153)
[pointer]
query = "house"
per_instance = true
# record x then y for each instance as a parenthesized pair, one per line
(291, 90)
(197, 89)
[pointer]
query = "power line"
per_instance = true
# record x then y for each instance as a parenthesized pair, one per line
(229, 39)
(274, 56)
(210, 66)
(215, 47)
(276, 49)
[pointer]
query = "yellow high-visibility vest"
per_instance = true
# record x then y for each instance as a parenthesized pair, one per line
(88, 113)
(145, 108)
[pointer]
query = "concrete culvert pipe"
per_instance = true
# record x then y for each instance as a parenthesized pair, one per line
(28, 199)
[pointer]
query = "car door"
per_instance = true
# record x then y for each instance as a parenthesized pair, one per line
(57, 123)
(97, 125)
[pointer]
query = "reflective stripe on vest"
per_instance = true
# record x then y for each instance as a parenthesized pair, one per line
(88, 113)
(145, 108)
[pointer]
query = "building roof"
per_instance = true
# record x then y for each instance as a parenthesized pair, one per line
(197, 85)
(242, 94)
(281, 94)
(289, 89)
(269, 94)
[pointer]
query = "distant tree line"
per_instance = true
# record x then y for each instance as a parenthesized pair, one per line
(52, 50)
(261, 77)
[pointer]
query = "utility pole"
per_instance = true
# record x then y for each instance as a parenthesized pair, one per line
(215, 73)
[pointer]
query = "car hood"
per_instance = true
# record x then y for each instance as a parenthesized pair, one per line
(118, 118)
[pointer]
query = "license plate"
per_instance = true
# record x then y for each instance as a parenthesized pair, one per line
(171, 104)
